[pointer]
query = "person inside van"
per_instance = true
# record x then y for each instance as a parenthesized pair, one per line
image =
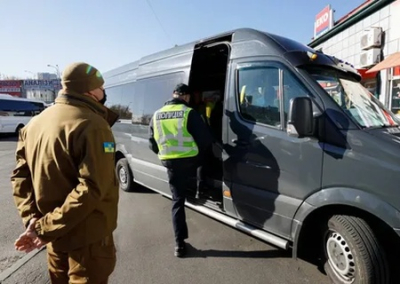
(198, 104)
(215, 118)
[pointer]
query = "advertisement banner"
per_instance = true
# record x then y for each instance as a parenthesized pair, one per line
(11, 87)
(323, 21)
(42, 84)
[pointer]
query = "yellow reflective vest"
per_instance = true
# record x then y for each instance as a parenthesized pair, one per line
(171, 134)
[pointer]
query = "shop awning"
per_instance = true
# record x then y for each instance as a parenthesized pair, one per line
(391, 61)
(366, 75)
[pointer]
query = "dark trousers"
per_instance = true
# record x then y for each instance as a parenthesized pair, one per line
(179, 173)
(204, 166)
(201, 172)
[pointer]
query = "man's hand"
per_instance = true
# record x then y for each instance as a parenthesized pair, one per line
(28, 241)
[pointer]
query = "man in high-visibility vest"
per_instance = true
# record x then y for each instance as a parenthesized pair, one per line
(180, 137)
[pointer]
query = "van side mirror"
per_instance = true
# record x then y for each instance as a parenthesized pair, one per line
(300, 119)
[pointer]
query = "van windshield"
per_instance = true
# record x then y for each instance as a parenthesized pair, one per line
(353, 98)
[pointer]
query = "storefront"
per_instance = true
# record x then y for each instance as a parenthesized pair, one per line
(368, 38)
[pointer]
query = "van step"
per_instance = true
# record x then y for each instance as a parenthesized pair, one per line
(215, 205)
(248, 229)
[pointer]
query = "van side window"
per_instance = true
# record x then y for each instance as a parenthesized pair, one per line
(292, 88)
(260, 94)
(258, 99)
(156, 91)
(121, 99)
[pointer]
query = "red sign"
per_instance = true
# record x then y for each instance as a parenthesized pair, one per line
(365, 75)
(323, 21)
(11, 87)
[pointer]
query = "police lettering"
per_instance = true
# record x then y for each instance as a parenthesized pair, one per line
(170, 114)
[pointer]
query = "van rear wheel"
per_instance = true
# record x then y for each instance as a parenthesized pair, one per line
(125, 176)
(353, 253)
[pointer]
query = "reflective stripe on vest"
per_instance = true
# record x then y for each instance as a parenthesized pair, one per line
(179, 143)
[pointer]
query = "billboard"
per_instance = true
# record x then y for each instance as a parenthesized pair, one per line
(42, 84)
(12, 87)
(323, 21)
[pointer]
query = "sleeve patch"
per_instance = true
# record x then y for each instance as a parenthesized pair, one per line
(109, 147)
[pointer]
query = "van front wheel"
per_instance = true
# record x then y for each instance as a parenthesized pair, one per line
(125, 176)
(352, 252)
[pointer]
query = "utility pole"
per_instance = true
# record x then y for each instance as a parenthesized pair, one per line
(33, 74)
(57, 70)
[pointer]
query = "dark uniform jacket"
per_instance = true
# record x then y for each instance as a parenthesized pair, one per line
(65, 172)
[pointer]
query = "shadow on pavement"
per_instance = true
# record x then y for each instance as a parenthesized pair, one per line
(8, 138)
(193, 252)
(140, 189)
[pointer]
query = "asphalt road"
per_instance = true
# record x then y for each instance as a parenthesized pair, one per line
(144, 239)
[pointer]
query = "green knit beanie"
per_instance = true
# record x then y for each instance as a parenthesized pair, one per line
(81, 77)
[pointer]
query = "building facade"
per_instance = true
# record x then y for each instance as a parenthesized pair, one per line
(45, 90)
(368, 38)
(46, 76)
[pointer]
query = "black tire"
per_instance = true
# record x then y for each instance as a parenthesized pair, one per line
(125, 176)
(350, 245)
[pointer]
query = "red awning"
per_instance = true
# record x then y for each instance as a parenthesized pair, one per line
(366, 75)
(390, 62)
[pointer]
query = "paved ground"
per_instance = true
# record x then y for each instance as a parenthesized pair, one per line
(218, 254)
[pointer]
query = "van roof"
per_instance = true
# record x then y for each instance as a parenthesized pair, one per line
(238, 35)
(261, 43)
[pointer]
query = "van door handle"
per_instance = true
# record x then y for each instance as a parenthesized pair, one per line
(240, 142)
(258, 165)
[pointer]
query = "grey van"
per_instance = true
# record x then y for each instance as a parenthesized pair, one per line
(306, 158)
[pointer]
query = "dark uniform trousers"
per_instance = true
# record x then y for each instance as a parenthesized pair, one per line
(92, 264)
(179, 173)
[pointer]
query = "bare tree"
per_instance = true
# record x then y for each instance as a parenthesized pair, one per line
(123, 111)
(9, 77)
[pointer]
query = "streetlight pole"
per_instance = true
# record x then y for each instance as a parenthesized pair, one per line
(27, 71)
(57, 69)
(58, 78)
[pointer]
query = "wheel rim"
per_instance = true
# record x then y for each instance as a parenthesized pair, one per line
(123, 175)
(340, 257)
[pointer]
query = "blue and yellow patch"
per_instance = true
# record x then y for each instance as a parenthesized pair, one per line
(109, 147)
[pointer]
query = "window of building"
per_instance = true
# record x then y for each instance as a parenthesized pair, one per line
(395, 105)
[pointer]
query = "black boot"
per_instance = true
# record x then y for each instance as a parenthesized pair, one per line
(180, 249)
(201, 188)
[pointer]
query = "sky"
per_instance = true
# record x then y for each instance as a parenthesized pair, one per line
(108, 34)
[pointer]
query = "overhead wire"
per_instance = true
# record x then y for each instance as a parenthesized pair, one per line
(158, 20)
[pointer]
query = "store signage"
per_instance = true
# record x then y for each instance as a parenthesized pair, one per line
(41, 84)
(11, 87)
(323, 21)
